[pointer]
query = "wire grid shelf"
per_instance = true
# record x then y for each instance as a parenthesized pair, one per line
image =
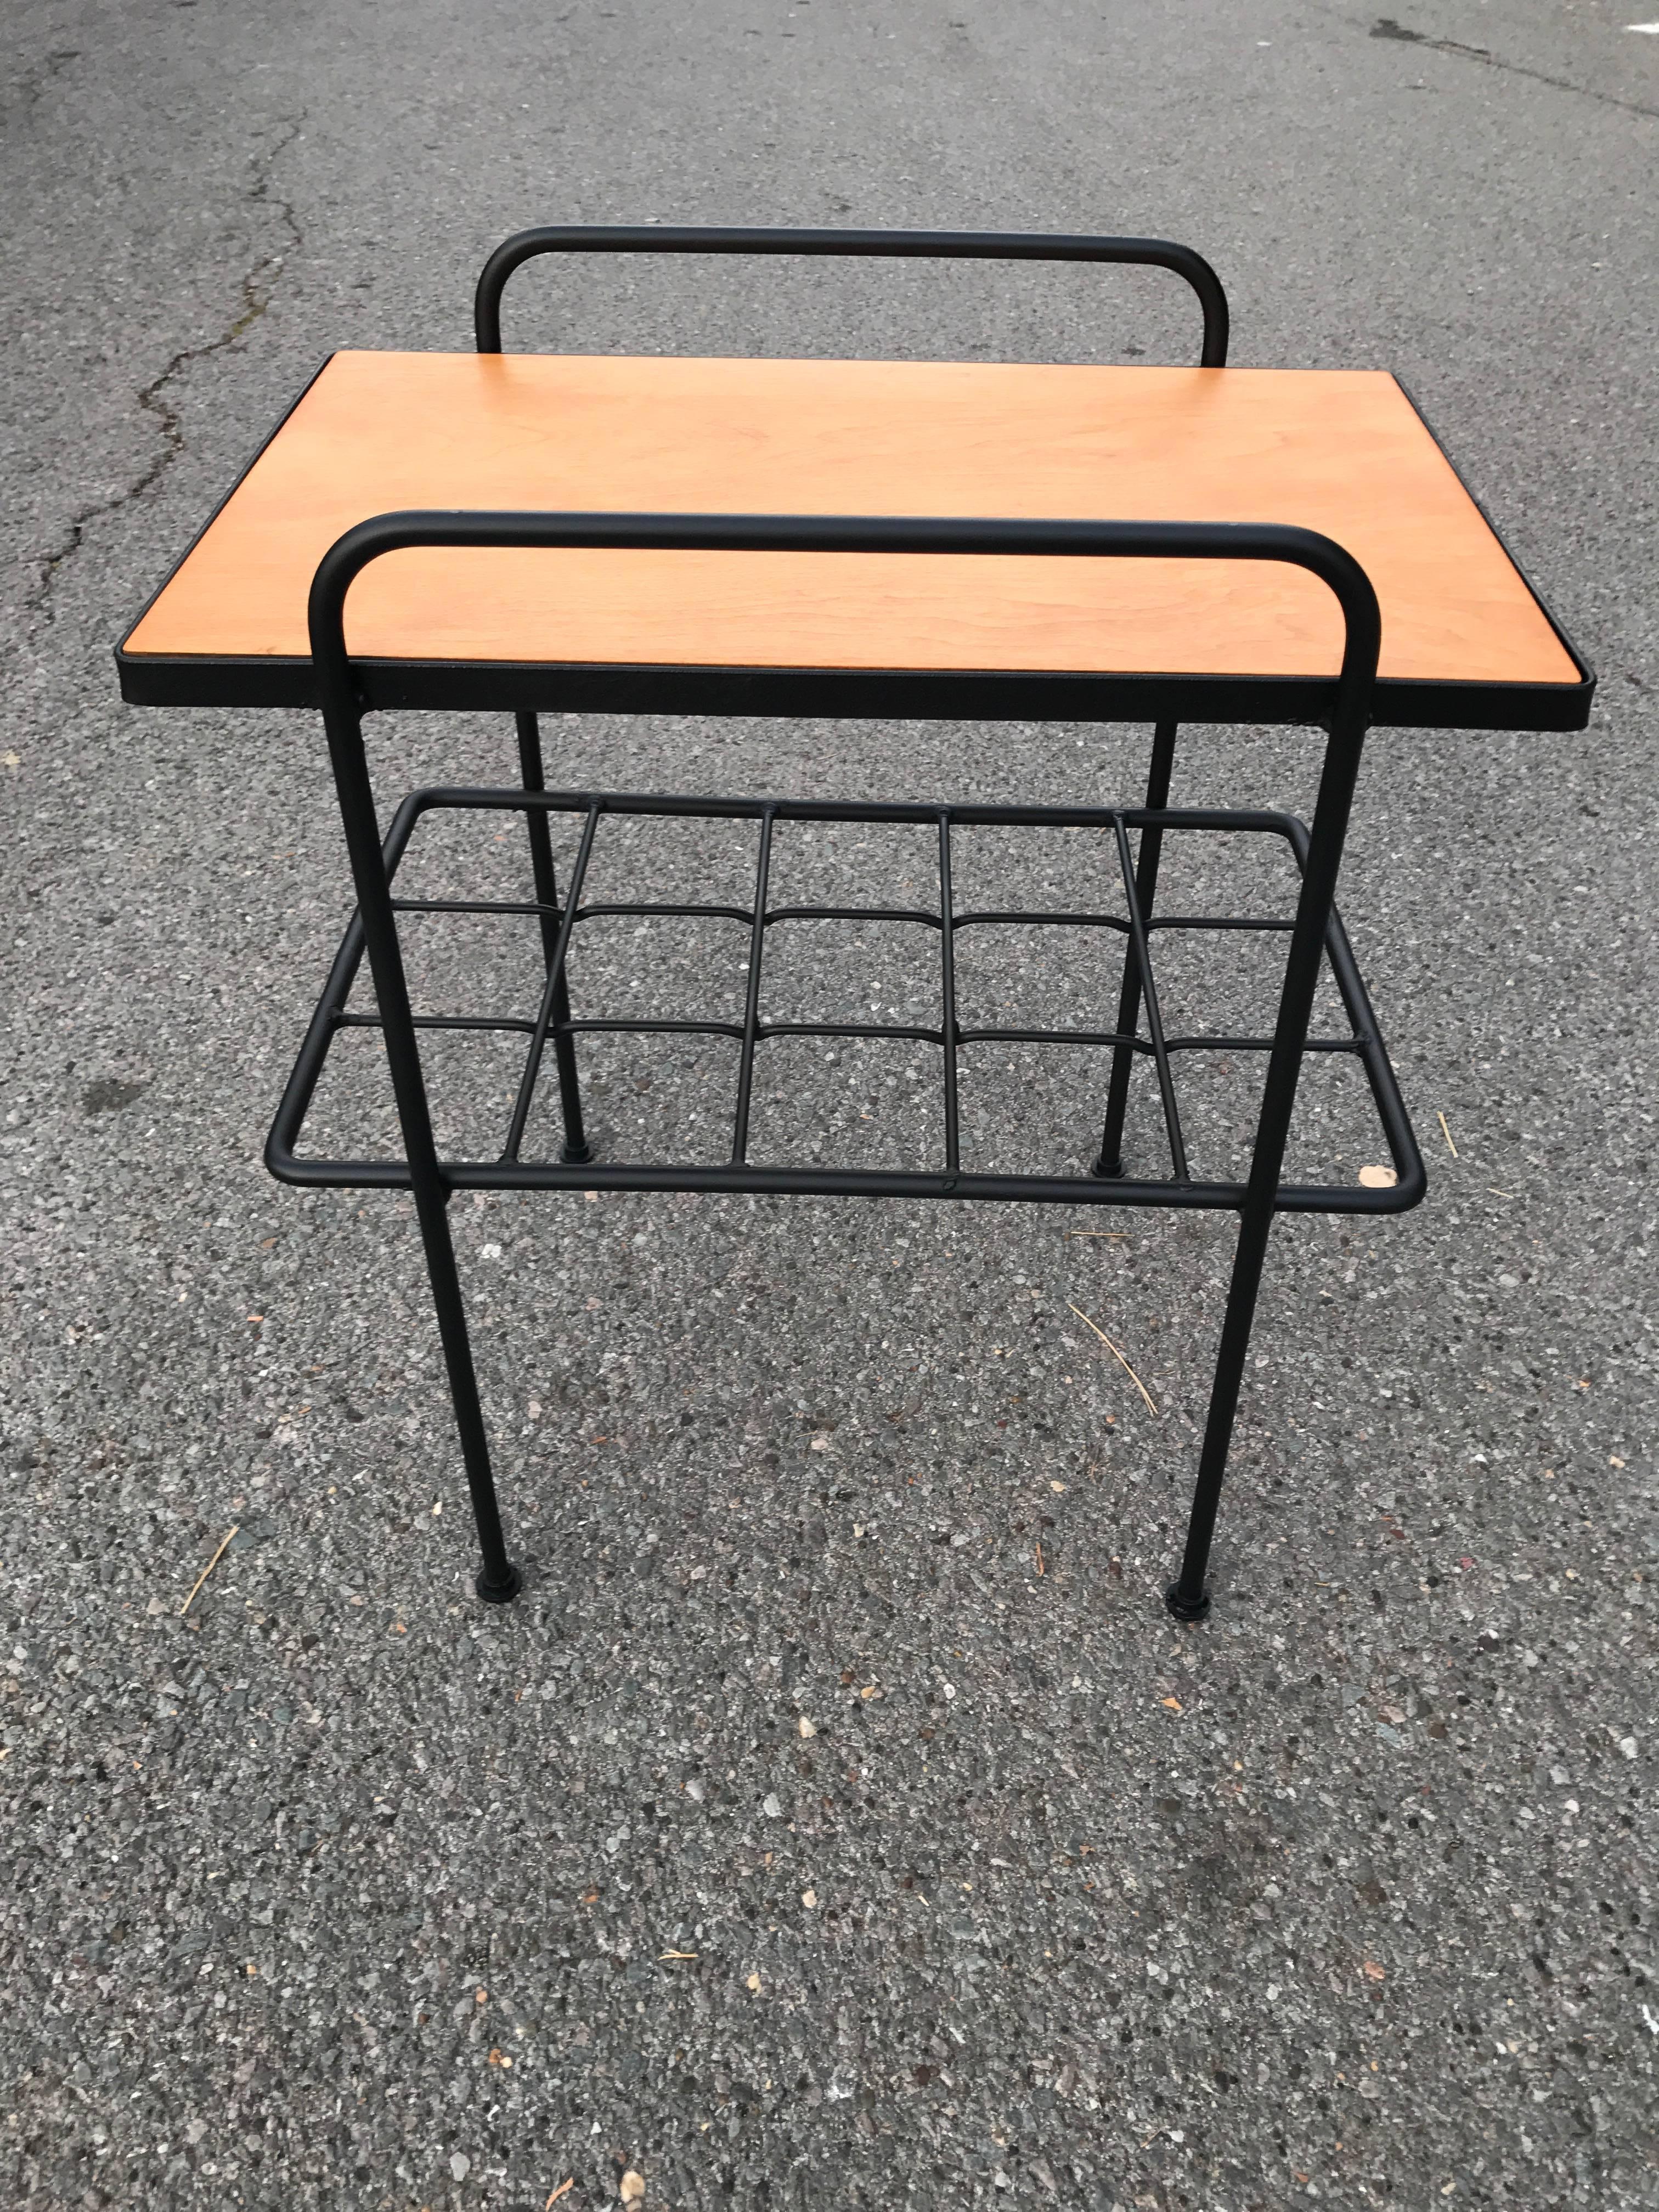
(515, 1165)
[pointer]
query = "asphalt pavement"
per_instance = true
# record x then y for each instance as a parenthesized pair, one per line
(838, 1819)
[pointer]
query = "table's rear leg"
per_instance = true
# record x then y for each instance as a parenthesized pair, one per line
(1110, 1161)
(533, 777)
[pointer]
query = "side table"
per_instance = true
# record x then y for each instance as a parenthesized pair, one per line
(858, 540)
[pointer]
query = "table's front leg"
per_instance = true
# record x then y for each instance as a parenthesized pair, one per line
(498, 1579)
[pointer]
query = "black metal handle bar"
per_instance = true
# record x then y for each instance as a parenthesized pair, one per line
(833, 533)
(886, 245)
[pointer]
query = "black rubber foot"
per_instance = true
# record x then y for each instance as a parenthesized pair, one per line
(502, 1592)
(1108, 1170)
(1186, 1609)
(576, 1156)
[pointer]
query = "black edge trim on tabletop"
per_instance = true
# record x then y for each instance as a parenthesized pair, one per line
(856, 693)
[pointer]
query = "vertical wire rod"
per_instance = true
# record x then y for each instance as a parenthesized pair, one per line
(551, 992)
(751, 1003)
(948, 982)
(534, 776)
(1110, 1160)
(1143, 960)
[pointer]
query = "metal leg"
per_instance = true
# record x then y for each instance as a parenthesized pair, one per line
(498, 1578)
(1110, 1162)
(1186, 1596)
(533, 777)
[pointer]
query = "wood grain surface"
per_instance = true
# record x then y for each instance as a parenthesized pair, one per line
(1339, 451)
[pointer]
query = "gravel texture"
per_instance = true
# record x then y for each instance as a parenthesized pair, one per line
(837, 1817)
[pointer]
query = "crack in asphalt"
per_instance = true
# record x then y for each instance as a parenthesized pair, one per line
(256, 287)
(1386, 27)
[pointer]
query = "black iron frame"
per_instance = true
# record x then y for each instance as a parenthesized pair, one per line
(346, 689)
(1314, 935)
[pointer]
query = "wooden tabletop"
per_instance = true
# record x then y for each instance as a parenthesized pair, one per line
(1343, 452)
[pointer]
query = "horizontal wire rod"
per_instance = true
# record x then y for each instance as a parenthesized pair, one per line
(655, 1025)
(1034, 919)
(469, 799)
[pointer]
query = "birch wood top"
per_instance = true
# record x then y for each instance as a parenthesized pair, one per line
(1343, 452)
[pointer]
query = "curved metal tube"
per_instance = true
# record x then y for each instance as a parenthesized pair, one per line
(836, 533)
(888, 244)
